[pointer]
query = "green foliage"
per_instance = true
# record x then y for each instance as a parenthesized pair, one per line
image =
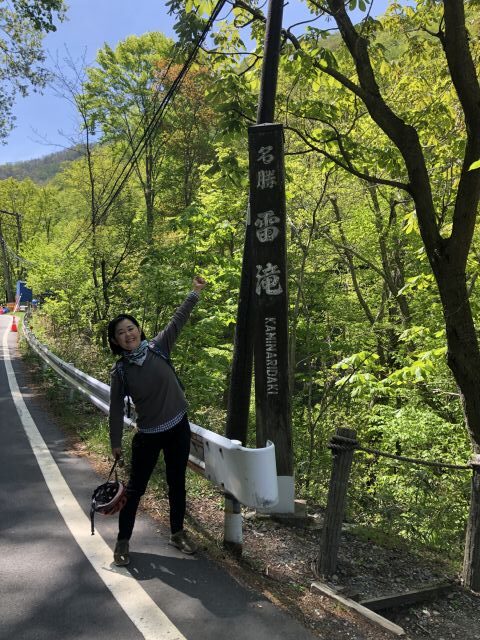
(423, 505)
(40, 13)
(367, 340)
(23, 25)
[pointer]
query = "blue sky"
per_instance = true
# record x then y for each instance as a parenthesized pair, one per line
(91, 23)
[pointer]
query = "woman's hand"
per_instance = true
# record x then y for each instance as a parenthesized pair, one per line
(116, 453)
(198, 284)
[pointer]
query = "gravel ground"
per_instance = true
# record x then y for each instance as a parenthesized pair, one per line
(278, 557)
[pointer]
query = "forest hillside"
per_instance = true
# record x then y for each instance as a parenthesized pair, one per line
(39, 170)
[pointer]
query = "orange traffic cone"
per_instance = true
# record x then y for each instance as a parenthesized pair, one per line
(14, 324)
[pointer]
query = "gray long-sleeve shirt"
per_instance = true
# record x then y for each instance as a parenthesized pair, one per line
(153, 387)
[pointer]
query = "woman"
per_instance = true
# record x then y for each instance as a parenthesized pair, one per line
(145, 374)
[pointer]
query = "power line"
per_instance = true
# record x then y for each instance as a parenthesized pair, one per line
(104, 188)
(13, 254)
(133, 135)
(155, 121)
(157, 117)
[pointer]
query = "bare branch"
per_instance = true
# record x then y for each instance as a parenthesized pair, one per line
(350, 168)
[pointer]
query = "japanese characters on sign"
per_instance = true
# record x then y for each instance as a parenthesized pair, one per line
(265, 223)
(266, 179)
(268, 276)
(265, 155)
(268, 280)
(269, 285)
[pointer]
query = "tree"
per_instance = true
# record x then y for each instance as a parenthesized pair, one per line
(125, 95)
(121, 94)
(411, 149)
(447, 252)
(23, 24)
(17, 200)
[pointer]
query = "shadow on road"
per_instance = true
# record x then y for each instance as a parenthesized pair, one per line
(192, 576)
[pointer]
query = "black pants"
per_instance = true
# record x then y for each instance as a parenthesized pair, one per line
(146, 448)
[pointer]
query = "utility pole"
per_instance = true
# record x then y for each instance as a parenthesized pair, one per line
(262, 324)
(271, 57)
(269, 268)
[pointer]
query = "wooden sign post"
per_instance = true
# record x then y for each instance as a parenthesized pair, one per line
(270, 300)
(263, 306)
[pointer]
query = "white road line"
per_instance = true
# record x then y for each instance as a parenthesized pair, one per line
(151, 622)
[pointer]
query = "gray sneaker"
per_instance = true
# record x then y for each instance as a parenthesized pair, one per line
(121, 555)
(183, 542)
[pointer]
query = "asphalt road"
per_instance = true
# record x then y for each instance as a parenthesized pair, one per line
(57, 582)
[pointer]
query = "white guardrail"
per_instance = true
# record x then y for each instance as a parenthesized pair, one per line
(249, 475)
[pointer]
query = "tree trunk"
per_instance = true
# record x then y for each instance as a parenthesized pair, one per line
(392, 268)
(6, 269)
(463, 350)
(448, 257)
(471, 561)
(464, 362)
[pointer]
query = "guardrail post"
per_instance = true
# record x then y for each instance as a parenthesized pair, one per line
(71, 391)
(233, 522)
(342, 445)
(233, 530)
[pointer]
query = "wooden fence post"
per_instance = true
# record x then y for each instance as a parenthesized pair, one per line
(471, 561)
(342, 444)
